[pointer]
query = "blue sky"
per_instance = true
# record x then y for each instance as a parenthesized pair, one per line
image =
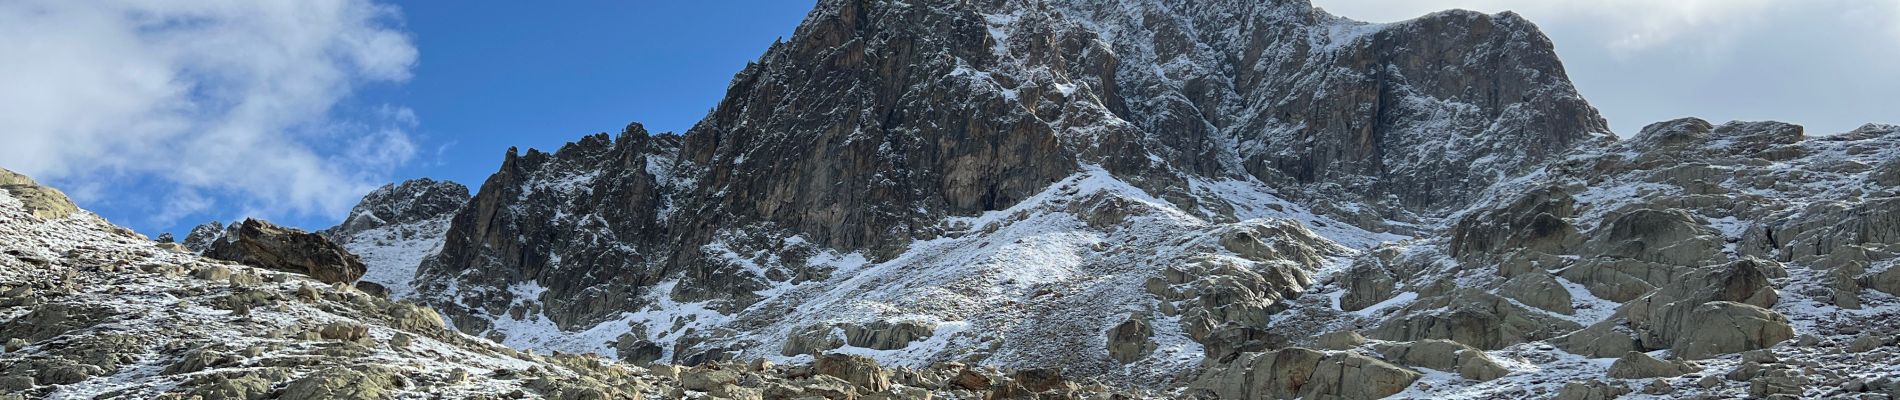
(161, 115)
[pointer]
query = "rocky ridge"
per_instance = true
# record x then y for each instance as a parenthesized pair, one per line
(88, 309)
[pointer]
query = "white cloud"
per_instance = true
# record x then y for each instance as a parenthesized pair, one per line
(222, 96)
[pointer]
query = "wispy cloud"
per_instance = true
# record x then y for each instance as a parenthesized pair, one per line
(236, 98)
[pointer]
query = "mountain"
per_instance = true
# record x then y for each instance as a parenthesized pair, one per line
(1183, 196)
(89, 309)
(1048, 199)
(1001, 181)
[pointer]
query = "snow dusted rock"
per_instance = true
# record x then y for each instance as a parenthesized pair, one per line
(103, 314)
(1443, 355)
(1131, 340)
(203, 236)
(396, 226)
(1666, 317)
(43, 202)
(1304, 373)
(1722, 327)
(1636, 365)
(265, 245)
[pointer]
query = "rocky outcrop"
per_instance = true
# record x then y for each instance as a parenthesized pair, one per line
(1634, 365)
(1297, 372)
(41, 201)
(1673, 315)
(1444, 355)
(409, 202)
(1131, 340)
(1722, 327)
(261, 244)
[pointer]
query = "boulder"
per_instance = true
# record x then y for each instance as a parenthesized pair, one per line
(1591, 390)
(859, 370)
(1635, 365)
(1444, 355)
(1538, 288)
(1129, 340)
(261, 244)
(886, 335)
(353, 382)
(1340, 340)
(1723, 327)
(1298, 372)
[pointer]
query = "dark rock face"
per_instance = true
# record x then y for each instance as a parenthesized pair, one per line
(411, 201)
(261, 244)
(582, 221)
(877, 120)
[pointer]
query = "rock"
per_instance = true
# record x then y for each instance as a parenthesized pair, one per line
(42, 201)
(1471, 316)
(1777, 381)
(886, 335)
(198, 360)
(373, 289)
(358, 382)
(813, 339)
(1658, 319)
(344, 331)
(54, 319)
(706, 380)
(242, 386)
(1538, 288)
(858, 370)
(1340, 340)
(1366, 284)
(1444, 355)
(1039, 380)
(1297, 372)
(414, 318)
(1634, 365)
(969, 379)
(1591, 390)
(261, 244)
(1723, 327)
(637, 350)
(1129, 340)
(1865, 343)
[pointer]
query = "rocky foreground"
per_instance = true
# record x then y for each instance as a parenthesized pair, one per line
(91, 309)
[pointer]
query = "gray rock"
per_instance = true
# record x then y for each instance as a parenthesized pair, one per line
(1722, 327)
(1130, 340)
(1634, 365)
(1297, 372)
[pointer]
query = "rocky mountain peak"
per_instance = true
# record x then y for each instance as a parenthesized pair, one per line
(411, 201)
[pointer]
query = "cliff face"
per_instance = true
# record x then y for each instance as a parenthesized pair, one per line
(882, 128)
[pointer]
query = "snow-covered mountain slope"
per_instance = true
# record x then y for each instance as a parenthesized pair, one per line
(1185, 196)
(1660, 244)
(93, 310)
(394, 227)
(858, 146)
